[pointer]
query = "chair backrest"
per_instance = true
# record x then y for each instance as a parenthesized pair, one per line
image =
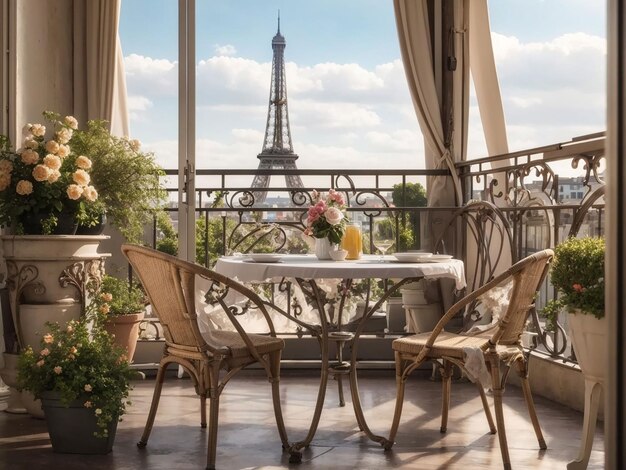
(170, 285)
(526, 275)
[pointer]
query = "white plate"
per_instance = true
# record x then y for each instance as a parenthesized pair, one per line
(265, 257)
(440, 258)
(413, 257)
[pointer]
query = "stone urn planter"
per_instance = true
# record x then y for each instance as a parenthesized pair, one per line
(47, 277)
(589, 339)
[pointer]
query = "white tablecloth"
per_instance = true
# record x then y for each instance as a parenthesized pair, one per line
(309, 267)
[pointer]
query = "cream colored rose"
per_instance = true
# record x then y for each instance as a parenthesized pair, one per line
(74, 191)
(52, 146)
(30, 157)
(135, 144)
(41, 173)
(83, 162)
(38, 130)
(90, 193)
(333, 215)
(64, 151)
(54, 176)
(5, 181)
(24, 188)
(6, 166)
(31, 144)
(64, 135)
(81, 177)
(26, 130)
(52, 161)
(71, 122)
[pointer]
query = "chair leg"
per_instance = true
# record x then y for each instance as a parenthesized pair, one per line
(156, 396)
(400, 386)
(446, 380)
(274, 362)
(483, 398)
(203, 410)
(497, 398)
(522, 371)
(214, 407)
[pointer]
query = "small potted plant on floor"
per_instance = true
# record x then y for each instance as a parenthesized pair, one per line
(83, 380)
(121, 307)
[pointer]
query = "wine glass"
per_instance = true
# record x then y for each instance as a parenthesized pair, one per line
(383, 237)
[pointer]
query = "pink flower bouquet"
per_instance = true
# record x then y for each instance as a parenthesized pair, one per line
(325, 217)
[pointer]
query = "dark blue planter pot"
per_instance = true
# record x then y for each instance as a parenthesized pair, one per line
(94, 229)
(72, 427)
(32, 223)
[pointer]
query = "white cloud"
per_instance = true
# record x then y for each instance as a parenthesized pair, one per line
(227, 49)
(350, 116)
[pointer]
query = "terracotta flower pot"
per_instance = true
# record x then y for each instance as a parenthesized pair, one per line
(125, 330)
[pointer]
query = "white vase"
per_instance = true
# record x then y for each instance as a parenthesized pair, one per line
(322, 248)
(589, 339)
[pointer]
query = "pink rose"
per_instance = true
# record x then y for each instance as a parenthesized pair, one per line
(333, 216)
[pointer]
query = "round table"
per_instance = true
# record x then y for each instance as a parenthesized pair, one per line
(305, 269)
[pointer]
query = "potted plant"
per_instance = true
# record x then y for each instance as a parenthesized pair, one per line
(577, 273)
(127, 178)
(121, 306)
(83, 380)
(326, 221)
(45, 186)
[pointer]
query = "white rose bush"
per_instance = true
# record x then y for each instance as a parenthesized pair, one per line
(44, 180)
(326, 217)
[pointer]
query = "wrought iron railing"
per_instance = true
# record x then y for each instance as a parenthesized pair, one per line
(514, 205)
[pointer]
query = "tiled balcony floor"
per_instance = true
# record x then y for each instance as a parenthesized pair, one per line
(248, 437)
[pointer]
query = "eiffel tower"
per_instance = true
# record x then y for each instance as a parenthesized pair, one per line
(277, 150)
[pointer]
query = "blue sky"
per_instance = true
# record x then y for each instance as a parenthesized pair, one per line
(347, 91)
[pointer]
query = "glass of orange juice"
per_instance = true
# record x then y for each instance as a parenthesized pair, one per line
(352, 241)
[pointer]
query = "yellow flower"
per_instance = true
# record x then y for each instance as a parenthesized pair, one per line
(74, 192)
(38, 130)
(41, 173)
(64, 135)
(64, 151)
(81, 177)
(24, 188)
(52, 161)
(52, 146)
(6, 166)
(5, 181)
(29, 157)
(90, 193)
(83, 162)
(54, 176)
(71, 122)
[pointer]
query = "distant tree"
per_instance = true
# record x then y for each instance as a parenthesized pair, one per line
(410, 195)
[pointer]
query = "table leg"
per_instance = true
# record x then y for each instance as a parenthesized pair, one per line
(294, 450)
(354, 385)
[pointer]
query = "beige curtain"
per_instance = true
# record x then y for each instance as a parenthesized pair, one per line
(99, 84)
(422, 65)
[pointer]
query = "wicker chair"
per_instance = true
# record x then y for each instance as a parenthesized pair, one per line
(170, 286)
(500, 344)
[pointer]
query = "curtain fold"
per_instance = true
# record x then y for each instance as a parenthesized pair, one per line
(99, 84)
(414, 33)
